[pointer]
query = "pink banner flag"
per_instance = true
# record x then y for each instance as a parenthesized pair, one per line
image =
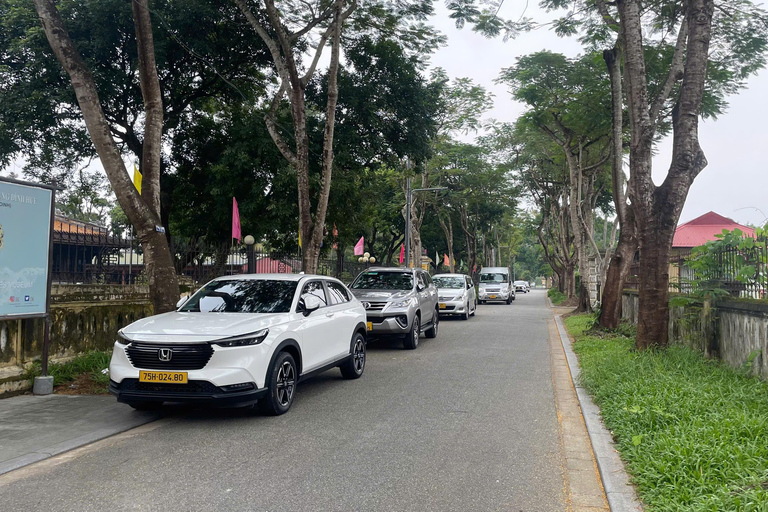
(359, 249)
(236, 221)
(402, 253)
(446, 261)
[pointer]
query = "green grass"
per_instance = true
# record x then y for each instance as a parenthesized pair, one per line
(556, 297)
(91, 363)
(693, 432)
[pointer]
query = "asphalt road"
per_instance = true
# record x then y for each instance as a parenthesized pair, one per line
(466, 422)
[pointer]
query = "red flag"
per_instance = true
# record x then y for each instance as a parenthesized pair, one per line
(402, 253)
(359, 249)
(236, 221)
(446, 261)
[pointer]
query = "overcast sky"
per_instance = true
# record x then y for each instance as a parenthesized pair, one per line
(734, 184)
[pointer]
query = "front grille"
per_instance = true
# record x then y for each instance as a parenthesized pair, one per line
(183, 357)
(375, 306)
(193, 386)
(493, 290)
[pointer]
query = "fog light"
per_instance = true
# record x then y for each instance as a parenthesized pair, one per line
(402, 321)
(243, 386)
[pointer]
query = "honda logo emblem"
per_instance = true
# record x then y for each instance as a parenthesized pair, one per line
(165, 354)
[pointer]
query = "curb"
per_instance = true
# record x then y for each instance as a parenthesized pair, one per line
(620, 493)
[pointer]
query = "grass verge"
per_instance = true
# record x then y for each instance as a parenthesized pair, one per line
(556, 297)
(693, 432)
(83, 372)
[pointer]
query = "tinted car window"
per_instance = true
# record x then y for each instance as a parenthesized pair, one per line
(449, 282)
(242, 296)
(337, 293)
(315, 288)
(383, 281)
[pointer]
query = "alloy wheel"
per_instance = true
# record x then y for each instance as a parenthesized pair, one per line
(286, 383)
(359, 356)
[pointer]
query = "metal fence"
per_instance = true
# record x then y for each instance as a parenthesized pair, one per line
(741, 272)
(87, 254)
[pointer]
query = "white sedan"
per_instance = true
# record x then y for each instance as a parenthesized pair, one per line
(455, 295)
(241, 339)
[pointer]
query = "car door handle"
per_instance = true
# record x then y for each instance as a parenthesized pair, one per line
(329, 315)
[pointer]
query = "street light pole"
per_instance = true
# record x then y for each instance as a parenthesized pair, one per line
(408, 193)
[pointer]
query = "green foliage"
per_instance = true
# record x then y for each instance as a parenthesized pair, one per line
(91, 363)
(691, 430)
(556, 296)
(730, 262)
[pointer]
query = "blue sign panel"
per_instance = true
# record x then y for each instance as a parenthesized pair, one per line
(25, 237)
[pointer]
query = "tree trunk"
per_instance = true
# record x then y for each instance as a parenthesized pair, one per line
(618, 271)
(144, 214)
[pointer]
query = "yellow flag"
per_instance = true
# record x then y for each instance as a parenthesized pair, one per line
(137, 178)
(299, 238)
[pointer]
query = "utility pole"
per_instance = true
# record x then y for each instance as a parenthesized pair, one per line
(408, 200)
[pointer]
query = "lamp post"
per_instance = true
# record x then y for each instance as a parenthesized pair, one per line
(408, 200)
(249, 241)
(367, 259)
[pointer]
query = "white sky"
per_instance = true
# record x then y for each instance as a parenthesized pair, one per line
(734, 183)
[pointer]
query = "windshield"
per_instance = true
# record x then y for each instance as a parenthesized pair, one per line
(383, 281)
(448, 282)
(493, 277)
(243, 296)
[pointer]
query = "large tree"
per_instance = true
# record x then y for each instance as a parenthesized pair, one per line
(568, 100)
(143, 209)
(292, 30)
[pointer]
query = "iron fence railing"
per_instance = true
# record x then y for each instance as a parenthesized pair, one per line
(87, 254)
(741, 272)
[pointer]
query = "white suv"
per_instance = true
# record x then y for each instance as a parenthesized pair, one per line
(241, 339)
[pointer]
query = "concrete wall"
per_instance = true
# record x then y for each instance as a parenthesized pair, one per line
(734, 331)
(83, 318)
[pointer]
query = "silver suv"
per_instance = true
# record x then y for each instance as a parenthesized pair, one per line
(398, 301)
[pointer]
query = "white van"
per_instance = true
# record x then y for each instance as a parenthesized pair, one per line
(495, 284)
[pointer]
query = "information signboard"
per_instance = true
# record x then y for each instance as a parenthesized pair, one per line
(26, 224)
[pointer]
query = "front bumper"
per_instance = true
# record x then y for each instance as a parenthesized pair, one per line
(500, 296)
(390, 324)
(452, 307)
(196, 392)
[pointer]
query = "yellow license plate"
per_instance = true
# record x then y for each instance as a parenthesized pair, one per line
(369, 326)
(163, 377)
(493, 296)
(441, 305)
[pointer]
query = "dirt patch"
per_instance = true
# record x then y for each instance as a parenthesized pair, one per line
(82, 385)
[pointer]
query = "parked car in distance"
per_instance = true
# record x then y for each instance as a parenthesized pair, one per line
(398, 301)
(455, 295)
(239, 340)
(522, 286)
(495, 285)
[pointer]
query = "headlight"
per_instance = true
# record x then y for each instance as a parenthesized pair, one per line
(404, 303)
(242, 341)
(459, 297)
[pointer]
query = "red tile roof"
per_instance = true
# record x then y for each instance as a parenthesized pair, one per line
(703, 229)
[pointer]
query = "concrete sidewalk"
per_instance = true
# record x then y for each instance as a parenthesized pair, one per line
(33, 428)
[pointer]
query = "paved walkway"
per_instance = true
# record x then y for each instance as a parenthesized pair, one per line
(33, 428)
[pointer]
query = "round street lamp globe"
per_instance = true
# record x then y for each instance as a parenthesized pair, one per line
(367, 255)
(372, 260)
(249, 240)
(360, 259)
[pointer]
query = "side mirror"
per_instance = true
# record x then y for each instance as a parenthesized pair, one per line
(308, 304)
(182, 301)
(420, 287)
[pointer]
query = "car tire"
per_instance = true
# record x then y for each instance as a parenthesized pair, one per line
(411, 340)
(474, 310)
(146, 406)
(432, 331)
(509, 300)
(465, 316)
(355, 365)
(482, 302)
(281, 384)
